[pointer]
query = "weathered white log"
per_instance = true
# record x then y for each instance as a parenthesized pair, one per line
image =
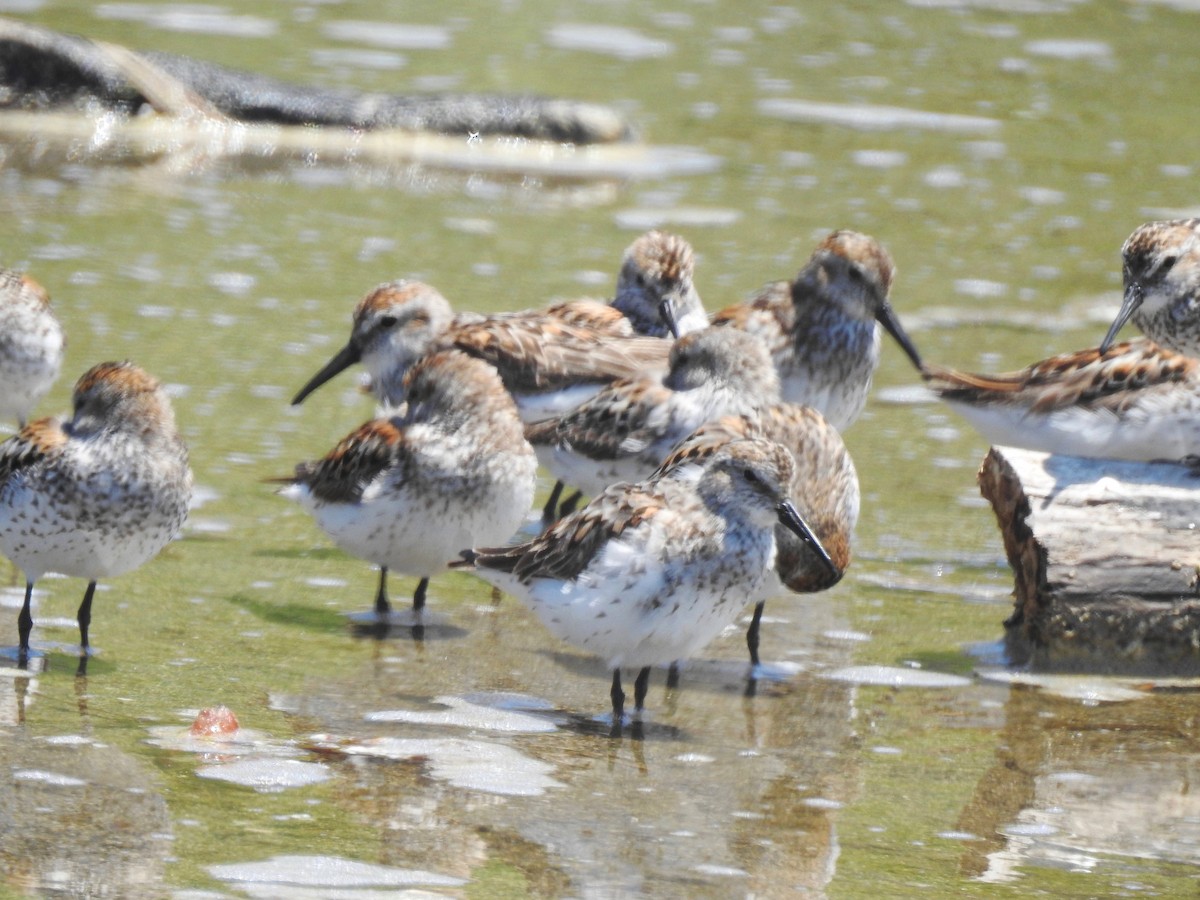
(1106, 557)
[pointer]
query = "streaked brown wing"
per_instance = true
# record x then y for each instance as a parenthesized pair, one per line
(1109, 380)
(545, 353)
(354, 463)
(592, 315)
(566, 548)
(37, 442)
(602, 427)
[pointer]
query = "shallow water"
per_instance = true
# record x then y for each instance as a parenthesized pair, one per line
(1001, 152)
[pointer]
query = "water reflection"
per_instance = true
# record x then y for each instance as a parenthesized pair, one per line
(714, 792)
(102, 809)
(228, 272)
(1076, 784)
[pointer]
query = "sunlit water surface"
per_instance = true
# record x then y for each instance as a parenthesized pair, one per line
(1002, 152)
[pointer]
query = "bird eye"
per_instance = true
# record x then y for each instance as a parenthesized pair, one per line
(388, 321)
(751, 476)
(1167, 264)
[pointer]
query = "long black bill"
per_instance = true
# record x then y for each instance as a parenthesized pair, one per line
(1129, 304)
(666, 311)
(887, 318)
(345, 358)
(792, 521)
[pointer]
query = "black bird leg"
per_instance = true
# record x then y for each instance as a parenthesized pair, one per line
(639, 689)
(85, 615)
(25, 626)
(569, 505)
(550, 510)
(618, 701)
(419, 594)
(382, 607)
(752, 632)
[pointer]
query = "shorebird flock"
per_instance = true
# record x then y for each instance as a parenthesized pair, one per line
(709, 446)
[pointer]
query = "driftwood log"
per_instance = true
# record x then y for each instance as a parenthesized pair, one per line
(42, 69)
(1106, 557)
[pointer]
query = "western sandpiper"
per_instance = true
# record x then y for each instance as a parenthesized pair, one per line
(655, 287)
(624, 432)
(824, 487)
(657, 295)
(822, 328)
(31, 345)
(98, 494)
(1138, 400)
(650, 572)
(450, 470)
(548, 362)
(1134, 401)
(1161, 268)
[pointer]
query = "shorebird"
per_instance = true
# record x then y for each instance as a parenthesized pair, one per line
(650, 572)
(95, 495)
(31, 345)
(656, 290)
(449, 470)
(624, 432)
(548, 361)
(1161, 270)
(1138, 400)
(822, 328)
(824, 486)
(1134, 401)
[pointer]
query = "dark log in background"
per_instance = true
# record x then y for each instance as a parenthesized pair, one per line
(1106, 559)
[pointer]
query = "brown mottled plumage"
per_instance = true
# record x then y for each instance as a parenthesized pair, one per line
(1134, 401)
(449, 469)
(31, 345)
(824, 487)
(650, 572)
(1161, 271)
(346, 471)
(655, 287)
(822, 328)
(98, 494)
(623, 433)
(537, 355)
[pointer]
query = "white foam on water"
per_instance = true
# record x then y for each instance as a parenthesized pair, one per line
(879, 159)
(473, 765)
(980, 287)
(268, 775)
(867, 117)
(464, 712)
(1069, 48)
(189, 17)
(41, 776)
(610, 40)
(392, 35)
(326, 872)
(836, 634)
(358, 58)
(892, 676)
(644, 219)
(721, 871)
